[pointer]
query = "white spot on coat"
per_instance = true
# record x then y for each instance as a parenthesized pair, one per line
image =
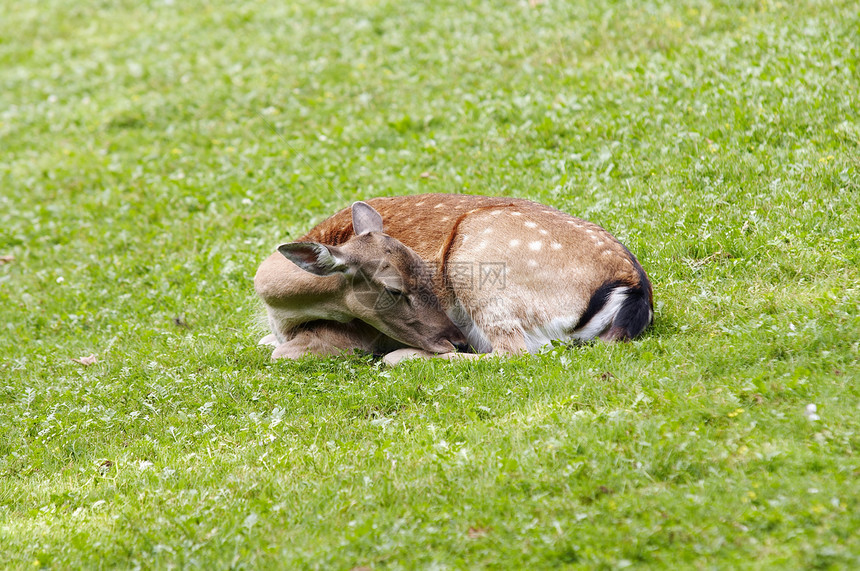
(514, 243)
(535, 246)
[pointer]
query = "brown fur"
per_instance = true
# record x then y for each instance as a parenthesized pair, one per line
(553, 263)
(417, 221)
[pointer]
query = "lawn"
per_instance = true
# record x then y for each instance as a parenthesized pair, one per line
(153, 153)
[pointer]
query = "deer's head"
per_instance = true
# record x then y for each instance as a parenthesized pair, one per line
(383, 283)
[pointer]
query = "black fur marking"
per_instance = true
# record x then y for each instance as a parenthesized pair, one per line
(644, 283)
(634, 315)
(596, 303)
(636, 311)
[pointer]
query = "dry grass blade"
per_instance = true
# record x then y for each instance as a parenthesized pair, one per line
(86, 361)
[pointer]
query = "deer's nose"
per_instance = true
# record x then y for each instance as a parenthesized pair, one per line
(457, 340)
(463, 347)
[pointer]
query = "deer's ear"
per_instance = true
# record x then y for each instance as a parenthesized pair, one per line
(315, 258)
(365, 219)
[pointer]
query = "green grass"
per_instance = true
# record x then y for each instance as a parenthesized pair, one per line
(152, 154)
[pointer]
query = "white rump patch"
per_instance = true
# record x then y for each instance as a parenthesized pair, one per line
(560, 327)
(541, 336)
(597, 324)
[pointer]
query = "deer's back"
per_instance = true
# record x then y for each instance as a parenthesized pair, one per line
(494, 229)
(426, 222)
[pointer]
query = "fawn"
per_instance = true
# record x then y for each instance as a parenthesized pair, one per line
(428, 274)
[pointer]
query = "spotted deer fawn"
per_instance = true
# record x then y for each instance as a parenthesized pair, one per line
(422, 275)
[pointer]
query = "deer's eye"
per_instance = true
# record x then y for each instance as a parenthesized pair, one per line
(399, 294)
